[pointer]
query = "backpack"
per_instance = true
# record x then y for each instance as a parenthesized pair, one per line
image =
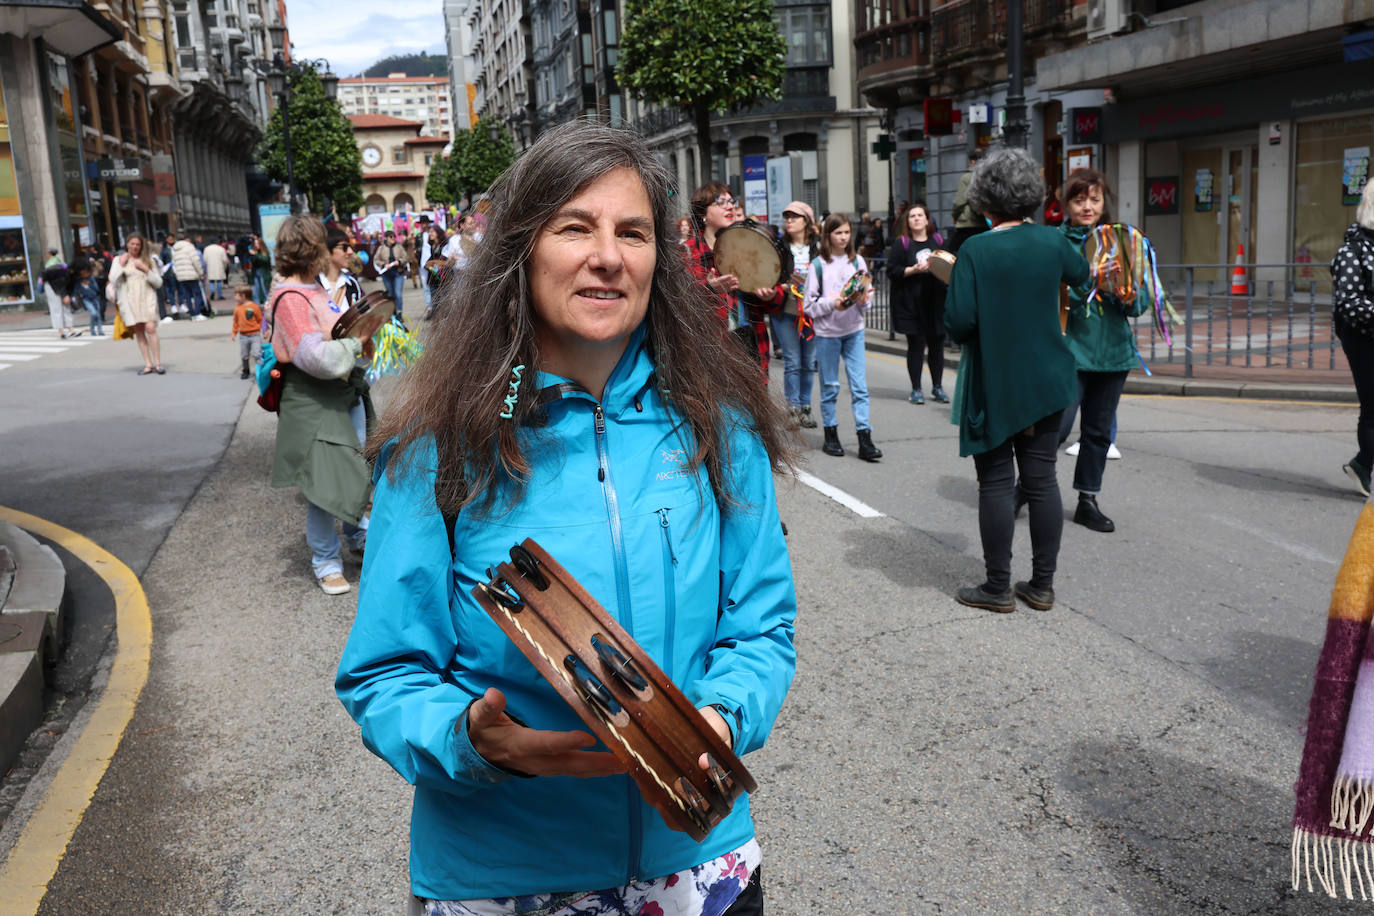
(270, 377)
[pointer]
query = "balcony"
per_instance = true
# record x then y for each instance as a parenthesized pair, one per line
(964, 29)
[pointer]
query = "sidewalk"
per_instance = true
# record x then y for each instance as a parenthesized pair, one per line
(1218, 380)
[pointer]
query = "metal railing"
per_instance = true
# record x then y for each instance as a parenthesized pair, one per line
(1276, 324)
(979, 27)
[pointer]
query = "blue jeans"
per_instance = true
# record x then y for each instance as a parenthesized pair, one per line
(829, 352)
(191, 296)
(261, 281)
(798, 361)
(217, 289)
(320, 535)
(93, 309)
(394, 282)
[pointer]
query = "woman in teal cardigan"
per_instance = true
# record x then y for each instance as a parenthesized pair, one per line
(1016, 372)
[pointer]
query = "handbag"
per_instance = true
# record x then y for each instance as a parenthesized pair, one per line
(270, 376)
(121, 330)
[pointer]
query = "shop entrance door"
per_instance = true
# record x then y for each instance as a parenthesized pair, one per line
(1238, 227)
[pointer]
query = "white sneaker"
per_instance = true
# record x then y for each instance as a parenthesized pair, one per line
(1072, 450)
(334, 584)
(1113, 452)
(166, 320)
(198, 318)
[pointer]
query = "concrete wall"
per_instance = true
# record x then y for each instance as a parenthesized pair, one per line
(1164, 157)
(1274, 201)
(31, 147)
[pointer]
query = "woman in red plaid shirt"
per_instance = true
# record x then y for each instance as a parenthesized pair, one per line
(713, 208)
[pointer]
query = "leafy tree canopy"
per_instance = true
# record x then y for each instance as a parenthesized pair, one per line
(474, 162)
(702, 56)
(324, 155)
(422, 64)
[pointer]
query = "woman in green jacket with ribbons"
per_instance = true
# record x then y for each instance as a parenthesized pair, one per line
(1102, 341)
(1016, 373)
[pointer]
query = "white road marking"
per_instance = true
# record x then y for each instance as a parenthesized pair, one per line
(1299, 550)
(4, 365)
(18, 354)
(20, 346)
(853, 504)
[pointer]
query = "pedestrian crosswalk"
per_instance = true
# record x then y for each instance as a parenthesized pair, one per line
(23, 346)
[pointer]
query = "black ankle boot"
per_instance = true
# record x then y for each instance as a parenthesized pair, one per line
(832, 442)
(1089, 516)
(867, 450)
(244, 373)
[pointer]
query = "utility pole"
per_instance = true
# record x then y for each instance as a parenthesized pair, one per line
(1016, 129)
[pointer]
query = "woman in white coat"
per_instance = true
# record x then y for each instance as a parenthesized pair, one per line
(135, 282)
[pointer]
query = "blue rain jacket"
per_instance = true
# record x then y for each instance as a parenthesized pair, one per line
(707, 594)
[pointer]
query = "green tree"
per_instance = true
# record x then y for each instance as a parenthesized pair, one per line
(702, 56)
(324, 155)
(481, 158)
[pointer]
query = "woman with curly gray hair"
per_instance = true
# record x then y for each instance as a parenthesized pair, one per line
(1016, 374)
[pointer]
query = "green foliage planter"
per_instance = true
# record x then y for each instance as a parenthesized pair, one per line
(702, 56)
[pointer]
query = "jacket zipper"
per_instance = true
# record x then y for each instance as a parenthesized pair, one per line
(622, 588)
(669, 592)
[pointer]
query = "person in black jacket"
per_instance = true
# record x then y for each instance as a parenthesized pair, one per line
(918, 300)
(57, 286)
(1352, 309)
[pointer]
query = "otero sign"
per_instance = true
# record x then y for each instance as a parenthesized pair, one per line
(119, 169)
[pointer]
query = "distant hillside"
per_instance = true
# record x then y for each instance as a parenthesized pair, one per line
(421, 64)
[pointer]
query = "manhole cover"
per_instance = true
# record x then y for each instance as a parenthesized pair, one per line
(9, 632)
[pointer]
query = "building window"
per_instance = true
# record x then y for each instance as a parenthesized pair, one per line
(1323, 205)
(398, 156)
(807, 32)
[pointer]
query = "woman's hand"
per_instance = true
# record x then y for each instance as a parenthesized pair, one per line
(920, 267)
(717, 722)
(839, 304)
(765, 293)
(500, 740)
(723, 283)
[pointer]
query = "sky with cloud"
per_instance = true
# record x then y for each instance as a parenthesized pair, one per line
(354, 34)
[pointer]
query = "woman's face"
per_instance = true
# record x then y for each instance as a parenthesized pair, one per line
(433, 235)
(340, 255)
(1086, 208)
(916, 220)
(592, 267)
(135, 247)
(684, 227)
(794, 226)
(839, 238)
(721, 211)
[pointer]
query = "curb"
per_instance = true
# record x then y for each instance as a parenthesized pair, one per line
(1136, 383)
(31, 628)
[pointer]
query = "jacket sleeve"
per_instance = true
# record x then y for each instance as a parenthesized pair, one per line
(896, 261)
(960, 196)
(817, 306)
(391, 678)
(749, 667)
(961, 303)
(1349, 295)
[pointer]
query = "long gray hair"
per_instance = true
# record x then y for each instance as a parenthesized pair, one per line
(485, 326)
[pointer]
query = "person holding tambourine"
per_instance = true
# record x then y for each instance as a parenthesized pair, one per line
(918, 300)
(583, 396)
(714, 207)
(791, 327)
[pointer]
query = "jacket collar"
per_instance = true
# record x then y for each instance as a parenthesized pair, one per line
(632, 374)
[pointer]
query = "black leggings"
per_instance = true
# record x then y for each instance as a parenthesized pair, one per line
(1359, 352)
(932, 333)
(750, 900)
(1034, 456)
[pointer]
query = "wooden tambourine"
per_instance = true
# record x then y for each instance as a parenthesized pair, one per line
(753, 254)
(609, 681)
(365, 317)
(941, 265)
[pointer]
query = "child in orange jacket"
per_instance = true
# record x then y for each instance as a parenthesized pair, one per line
(247, 327)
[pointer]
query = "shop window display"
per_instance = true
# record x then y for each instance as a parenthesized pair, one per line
(1333, 156)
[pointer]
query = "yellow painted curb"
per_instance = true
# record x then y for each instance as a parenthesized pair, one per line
(31, 864)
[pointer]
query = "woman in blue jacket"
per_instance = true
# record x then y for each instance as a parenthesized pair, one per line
(580, 393)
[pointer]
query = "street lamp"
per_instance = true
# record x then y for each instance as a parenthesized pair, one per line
(279, 80)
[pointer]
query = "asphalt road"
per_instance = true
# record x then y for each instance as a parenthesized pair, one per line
(1130, 751)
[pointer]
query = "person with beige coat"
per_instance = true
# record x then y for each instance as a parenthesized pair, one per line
(134, 281)
(216, 267)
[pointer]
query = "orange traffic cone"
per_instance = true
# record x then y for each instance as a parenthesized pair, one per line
(1240, 286)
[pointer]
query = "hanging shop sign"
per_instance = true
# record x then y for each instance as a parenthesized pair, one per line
(939, 117)
(119, 169)
(1080, 158)
(1086, 124)
(1161, 196)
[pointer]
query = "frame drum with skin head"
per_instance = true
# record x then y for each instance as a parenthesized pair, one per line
(941, 265)
(365, 318)
(753, 255)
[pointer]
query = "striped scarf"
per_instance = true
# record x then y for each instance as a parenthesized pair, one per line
(1335, 788)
